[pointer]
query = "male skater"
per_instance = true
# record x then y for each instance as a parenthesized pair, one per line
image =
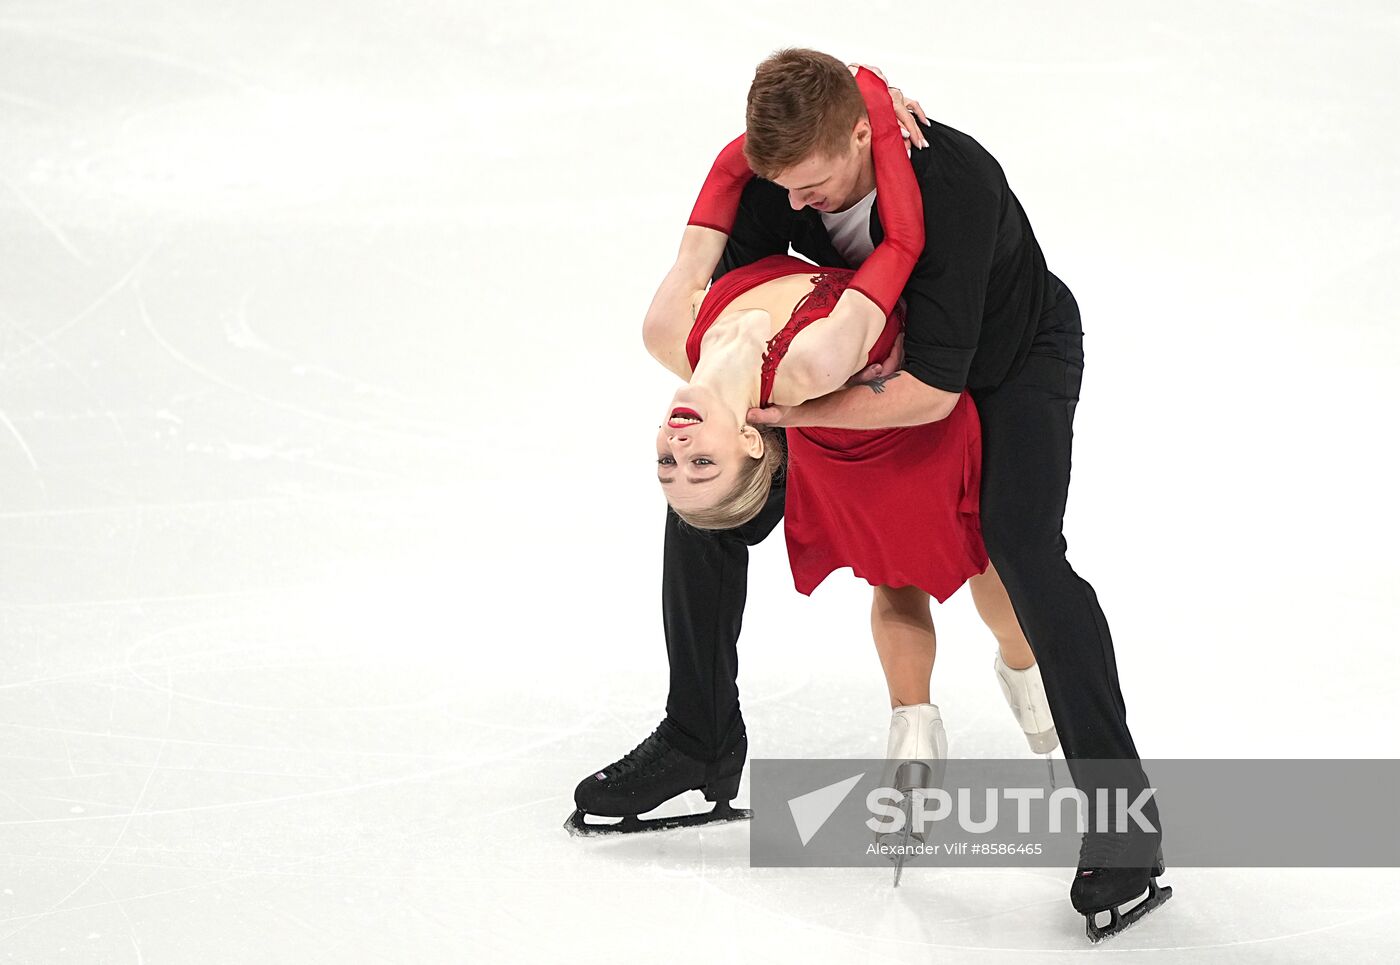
(983, 314)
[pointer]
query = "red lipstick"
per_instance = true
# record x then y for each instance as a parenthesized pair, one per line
(683, 418)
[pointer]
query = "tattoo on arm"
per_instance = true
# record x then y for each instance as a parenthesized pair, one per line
(877, 384)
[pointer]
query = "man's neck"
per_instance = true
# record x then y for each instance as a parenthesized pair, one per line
(866, 182)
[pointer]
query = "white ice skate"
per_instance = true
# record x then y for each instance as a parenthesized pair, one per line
(916, 758)
(1025, 694)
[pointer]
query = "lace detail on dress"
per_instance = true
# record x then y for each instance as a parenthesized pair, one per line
(826, 289)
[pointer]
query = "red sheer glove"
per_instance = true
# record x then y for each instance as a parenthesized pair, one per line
(718, 204)
(901, 205)
(885, 273)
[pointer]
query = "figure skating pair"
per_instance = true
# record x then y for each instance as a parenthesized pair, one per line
(889, 469)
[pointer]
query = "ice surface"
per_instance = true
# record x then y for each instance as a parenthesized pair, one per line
(329, 558)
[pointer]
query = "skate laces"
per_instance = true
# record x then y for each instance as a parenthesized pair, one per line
(642, 756)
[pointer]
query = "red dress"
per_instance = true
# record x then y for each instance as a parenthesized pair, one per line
(898, 506)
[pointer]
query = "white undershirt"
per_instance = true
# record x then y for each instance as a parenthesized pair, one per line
(850, 230)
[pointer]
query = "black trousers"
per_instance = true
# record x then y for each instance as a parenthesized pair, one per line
(1027, 432)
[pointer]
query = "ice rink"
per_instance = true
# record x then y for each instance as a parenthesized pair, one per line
(329, 548)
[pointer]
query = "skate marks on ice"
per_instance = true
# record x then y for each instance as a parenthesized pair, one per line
(215, 760)
(1227, 915)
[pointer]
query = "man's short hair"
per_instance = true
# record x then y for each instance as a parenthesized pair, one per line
(802, 102)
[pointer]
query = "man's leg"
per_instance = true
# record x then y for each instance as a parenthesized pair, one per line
(1027, 434)
(705, 580)
(701, 743)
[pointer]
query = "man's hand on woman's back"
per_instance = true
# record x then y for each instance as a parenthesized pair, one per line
(881, 369)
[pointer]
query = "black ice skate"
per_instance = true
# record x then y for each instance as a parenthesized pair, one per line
(649, 775)
(1099, 887)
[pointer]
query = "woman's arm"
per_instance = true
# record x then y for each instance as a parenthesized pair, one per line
(669, 318)
(822, 361)
(712, 219)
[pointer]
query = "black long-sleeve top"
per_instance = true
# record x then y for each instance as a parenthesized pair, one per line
(977, 289)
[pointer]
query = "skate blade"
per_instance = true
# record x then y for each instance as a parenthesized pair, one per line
(578, 825)
(904, 837)
(1156, 897)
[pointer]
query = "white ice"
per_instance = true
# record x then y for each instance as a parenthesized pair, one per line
(329, 555)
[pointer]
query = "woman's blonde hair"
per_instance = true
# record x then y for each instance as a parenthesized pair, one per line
(750, 492)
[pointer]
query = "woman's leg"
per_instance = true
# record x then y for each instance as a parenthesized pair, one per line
(904, 638)
(994, 606)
